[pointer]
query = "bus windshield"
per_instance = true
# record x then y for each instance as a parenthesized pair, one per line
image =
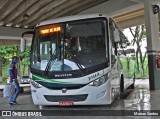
(74, 45)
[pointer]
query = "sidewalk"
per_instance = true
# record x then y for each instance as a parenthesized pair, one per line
(21, 85)
(142, 83)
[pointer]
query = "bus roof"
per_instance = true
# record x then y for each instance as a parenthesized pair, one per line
(70, 18)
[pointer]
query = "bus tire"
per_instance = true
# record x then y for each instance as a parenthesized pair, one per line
(122, 83)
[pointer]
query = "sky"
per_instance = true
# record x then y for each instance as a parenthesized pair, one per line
(128, 34)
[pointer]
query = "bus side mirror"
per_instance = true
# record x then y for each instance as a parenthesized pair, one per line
(116, 35)
(23, 41)
(23, 44)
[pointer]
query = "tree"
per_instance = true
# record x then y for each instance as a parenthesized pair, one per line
(6, 53)
(24, 60)
(138, 33)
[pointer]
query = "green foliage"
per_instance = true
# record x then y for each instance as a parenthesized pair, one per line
(129, 68)
(6, 53)
(24, 57)
(24, 61)
(139, 34)
(140, 75)
(5, 71)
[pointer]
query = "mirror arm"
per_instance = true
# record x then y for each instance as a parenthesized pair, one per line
(27, 32)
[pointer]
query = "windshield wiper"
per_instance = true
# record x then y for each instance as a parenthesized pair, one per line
(48, 67)
(54, 57)
(75, 59)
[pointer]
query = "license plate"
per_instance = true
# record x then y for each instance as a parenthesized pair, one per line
(66, 103)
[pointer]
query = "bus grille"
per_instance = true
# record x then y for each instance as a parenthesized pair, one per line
(57, 98)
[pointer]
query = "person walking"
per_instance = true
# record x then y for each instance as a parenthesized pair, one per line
(14, 80)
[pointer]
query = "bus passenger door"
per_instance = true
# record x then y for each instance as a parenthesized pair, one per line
(115, 75)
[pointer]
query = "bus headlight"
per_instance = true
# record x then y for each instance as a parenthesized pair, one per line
(99, 81)
(102, 80)
(35, 84)
(95, 83)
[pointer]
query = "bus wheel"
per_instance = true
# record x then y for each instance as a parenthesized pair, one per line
(122, 83)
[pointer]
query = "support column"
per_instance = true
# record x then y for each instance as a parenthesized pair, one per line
(153, 43)
(0, 71)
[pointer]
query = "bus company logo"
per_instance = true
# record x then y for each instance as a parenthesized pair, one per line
(6, 113)
(64, 90)
(93, 76)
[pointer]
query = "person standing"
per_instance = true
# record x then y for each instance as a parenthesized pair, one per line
(14, 80)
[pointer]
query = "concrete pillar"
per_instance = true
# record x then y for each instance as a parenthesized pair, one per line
(153, 43)
(0, 71)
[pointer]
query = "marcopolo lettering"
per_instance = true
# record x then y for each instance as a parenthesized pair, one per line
(62, 75)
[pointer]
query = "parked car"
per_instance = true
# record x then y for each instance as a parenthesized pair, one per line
(25, 80)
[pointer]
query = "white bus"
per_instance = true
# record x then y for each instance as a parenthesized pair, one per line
(74, 61)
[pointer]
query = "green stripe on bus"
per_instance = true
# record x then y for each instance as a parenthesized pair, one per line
(37, 78)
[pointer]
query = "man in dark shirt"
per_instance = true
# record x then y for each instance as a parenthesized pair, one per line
(14, 80)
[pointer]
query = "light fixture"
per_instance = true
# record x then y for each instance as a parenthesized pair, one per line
(9, 24)
(17, 25)
(25, 16)
(26, 26)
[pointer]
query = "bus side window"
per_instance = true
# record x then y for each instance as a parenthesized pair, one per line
(35, 54)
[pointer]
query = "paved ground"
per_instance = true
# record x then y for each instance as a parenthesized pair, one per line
(140, 99)
(142, 83)
(21, 85)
